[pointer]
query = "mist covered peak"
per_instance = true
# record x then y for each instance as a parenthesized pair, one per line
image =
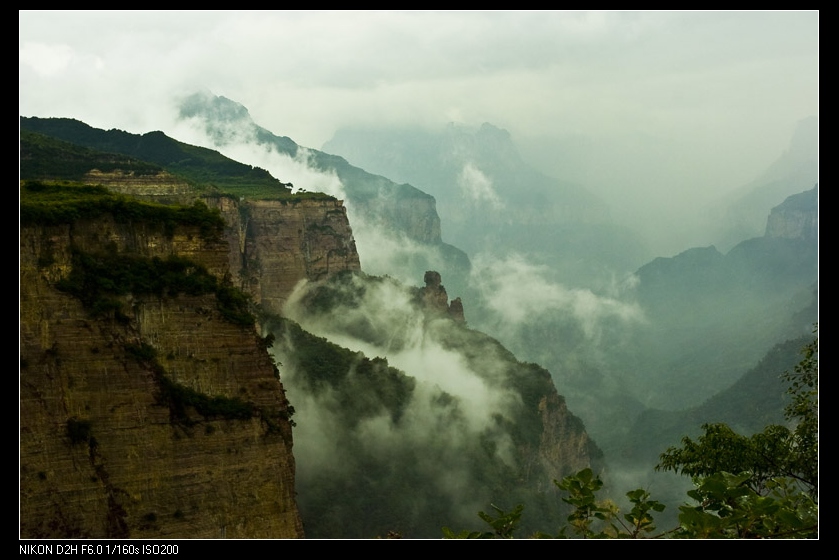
(228, 122)
(207, 106)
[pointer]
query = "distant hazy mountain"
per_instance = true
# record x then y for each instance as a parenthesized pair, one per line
(711, 315)
(490, 200)
(743, 215)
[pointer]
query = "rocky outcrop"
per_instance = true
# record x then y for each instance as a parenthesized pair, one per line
(273, 244)
(436, 300)
(162, 420)
(796, 218)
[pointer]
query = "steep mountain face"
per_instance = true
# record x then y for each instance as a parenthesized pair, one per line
(275, 244)
(145, 414)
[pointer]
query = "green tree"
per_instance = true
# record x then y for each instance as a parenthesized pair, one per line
(761, 486)
(778, 451)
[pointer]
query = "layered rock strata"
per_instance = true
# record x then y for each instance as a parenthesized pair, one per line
(163, 420)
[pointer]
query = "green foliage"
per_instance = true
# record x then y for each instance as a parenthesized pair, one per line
(726, 507)
(721, 449)
(503, 524)
(45, 157)
(106, 150)
(639, 518)
(775, 452)
(803, 411)
(142, 352)
(730, 508)
(582, 488)
(591, 517)
(99, 279)
(594, 518)
(234, 305)
(49, 203)
(179, 398)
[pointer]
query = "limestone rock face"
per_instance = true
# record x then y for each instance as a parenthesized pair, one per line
(402, 210)
(436, 299)
(104, 453)
(796, 218)
(275, 244)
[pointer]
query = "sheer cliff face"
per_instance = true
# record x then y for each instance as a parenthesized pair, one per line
(165, 419)
(276, 244)
(103, 453)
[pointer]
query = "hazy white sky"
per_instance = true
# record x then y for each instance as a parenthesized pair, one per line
(716, 93)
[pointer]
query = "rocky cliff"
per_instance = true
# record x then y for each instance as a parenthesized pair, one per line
(158, 418)
(151, 411)
(275, 244)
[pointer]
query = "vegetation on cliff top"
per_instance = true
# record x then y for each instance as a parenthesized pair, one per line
(51, 203)
(67, 149)
(45, 157)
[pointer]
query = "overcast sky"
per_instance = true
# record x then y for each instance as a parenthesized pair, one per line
(719, 92)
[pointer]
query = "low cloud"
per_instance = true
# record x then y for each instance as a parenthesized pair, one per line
(238, 142)
(517, 292)
(476, 186)
(412, 343)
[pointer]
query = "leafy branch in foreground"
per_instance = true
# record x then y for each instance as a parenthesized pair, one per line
(503, 524)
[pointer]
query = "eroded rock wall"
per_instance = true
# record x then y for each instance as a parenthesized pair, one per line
(275, 244)
(103, 452)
